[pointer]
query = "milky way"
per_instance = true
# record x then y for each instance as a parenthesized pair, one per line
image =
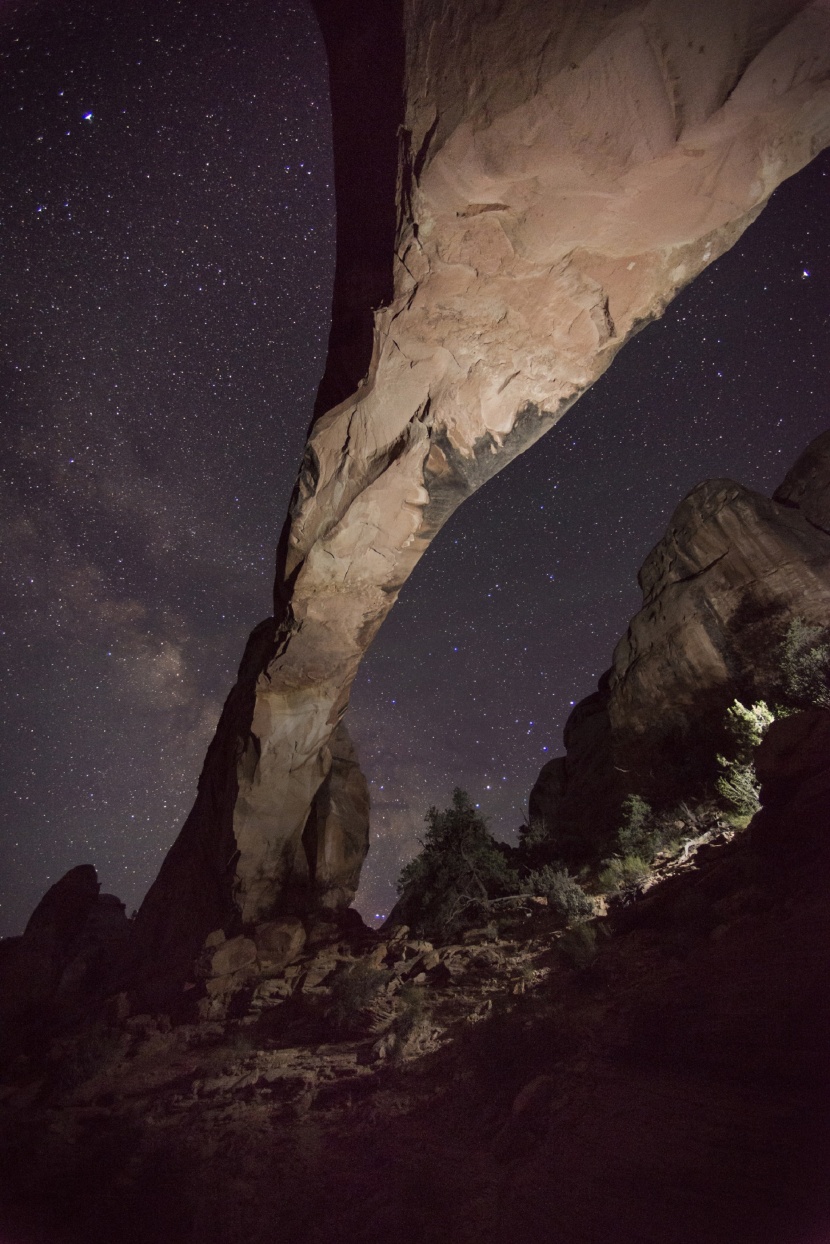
(167, 245)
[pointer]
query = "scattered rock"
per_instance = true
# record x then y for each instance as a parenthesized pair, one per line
(233, 955)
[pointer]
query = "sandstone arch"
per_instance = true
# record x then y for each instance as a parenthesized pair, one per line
(521, 185)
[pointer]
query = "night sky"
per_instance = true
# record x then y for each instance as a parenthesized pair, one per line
(167, 249)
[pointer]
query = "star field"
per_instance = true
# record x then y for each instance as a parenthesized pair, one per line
(167, 240)
(168, 246)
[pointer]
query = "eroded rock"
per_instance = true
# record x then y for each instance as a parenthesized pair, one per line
(239, 952)
(279, 942)
(733, 569)
(793, 749)
(561, 174)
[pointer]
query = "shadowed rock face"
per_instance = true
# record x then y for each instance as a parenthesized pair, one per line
(671, 1090)
(807, 486)
(561, 172)
(732, 569)
(66, 954)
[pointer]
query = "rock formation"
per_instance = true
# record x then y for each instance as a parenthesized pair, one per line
(668, 1087)
(732, 570)
(521, 185)
(71, 943)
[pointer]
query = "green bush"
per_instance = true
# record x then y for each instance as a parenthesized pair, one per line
(805, 665)
(737, 785)
(578, 947)
(622, 877)
(739, 789)
(565, 895)
(459, 870)
(533, 835)
(641, 833)
(357, 994)
(746, 727)
(410, 1011)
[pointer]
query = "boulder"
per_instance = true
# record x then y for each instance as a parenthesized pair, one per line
(279, 942)
(794, 748)
(96, 953)
(233, 955)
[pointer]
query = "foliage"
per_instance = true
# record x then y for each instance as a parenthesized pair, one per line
(458, 871)
(538, 844)
(85, 1056)
(578, 946)
(644, 832)
(565, 895)
(805, 665)
(410, 1011)
(738, 788)
(736, 784)
(356, 992)
(533, 835)
(639, 834)
(622, 877)
(746, 727)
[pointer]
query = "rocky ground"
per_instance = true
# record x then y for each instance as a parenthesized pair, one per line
(662, 1077)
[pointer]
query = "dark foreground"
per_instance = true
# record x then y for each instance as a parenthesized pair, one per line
(666, 1081)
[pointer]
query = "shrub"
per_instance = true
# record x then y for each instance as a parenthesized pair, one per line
(410, 1012)
(624, 876)
(805, 665)
(736, 784)
(533, 835)
(85, 1056)
(459, 869)
(578, 947)
(538, 844)
(358, 998)
(565, 895)
(746, 727)
(738, 788)
(642, 833)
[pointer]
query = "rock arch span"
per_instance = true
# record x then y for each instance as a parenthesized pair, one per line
(521, 185)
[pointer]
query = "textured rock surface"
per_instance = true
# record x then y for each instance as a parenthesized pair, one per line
(336, 835)
(731, 565)
(562, 172)
(674, 1091)
(793, 750)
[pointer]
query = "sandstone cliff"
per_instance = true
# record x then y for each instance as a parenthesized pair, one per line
(732, 570)
(520, 186)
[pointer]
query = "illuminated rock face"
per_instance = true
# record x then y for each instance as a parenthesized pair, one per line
(733, 570)
(561, 172)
